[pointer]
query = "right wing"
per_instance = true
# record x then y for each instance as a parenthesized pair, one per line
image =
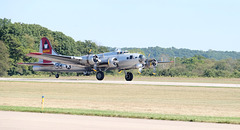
(165, 61)
(71, 60)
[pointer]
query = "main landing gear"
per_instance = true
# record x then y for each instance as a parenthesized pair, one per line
(128, 76)
(57, 75)
(100, 75)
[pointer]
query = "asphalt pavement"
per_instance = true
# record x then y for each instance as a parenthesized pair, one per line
(121, 82)
(42, 121)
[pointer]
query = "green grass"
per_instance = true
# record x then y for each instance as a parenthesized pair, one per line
(90, 112)
(197, 104)
(173, 100)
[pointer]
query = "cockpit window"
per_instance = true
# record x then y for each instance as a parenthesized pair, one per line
(120, 52)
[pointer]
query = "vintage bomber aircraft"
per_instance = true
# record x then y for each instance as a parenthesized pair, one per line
(50, 61)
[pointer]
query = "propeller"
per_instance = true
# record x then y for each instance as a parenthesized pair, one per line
(151, 63)
(140, 70)
(112, 62)
(96, 60)
(142, 60)
(115, 62)
(95, 66)
(154, 64)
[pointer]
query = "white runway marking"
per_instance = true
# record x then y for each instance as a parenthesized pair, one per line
(121, 82)
(40, 121)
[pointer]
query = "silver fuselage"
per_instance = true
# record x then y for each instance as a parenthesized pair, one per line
(125, 60)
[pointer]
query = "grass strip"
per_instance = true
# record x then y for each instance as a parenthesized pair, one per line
(108, 113)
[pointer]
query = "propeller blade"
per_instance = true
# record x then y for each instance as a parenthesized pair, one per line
(95, 58)
(95, 67)
(140, 70)
(90, 51)
(96, 61)
(154, 63)
(154, 70)
(119, 71)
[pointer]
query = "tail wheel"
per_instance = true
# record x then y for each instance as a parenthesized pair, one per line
(57, 75)
(100, 75)
(129, 76)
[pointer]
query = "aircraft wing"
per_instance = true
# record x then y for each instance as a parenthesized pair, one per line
(71, 60)
(37, 64)
(165, 62)
(159, 62)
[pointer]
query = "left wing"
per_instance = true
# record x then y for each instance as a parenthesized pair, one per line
(37, 64)
(71, 60)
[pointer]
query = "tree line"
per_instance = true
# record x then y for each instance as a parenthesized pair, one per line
(199, 66)
(19, 39)
(187, 53)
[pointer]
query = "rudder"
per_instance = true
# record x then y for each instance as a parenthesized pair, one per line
(46, 48)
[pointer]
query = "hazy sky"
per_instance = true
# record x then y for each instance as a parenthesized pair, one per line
(193, 24)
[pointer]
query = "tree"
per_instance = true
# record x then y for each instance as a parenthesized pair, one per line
(4, 59)
(18, 39)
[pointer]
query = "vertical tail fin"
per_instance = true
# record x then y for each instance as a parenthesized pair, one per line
(46, 47)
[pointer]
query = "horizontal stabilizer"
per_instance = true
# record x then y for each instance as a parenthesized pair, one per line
(37, 64)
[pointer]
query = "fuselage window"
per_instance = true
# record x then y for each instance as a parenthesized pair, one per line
(127, 57)
(131, 56)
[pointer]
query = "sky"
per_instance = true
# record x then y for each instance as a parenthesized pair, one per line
(192, 24)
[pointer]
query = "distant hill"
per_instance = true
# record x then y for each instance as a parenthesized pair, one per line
(158, 52)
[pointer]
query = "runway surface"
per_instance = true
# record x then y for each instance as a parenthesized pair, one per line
(120, 82)
(40, 121)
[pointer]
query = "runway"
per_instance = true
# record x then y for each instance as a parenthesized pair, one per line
(121, 82)
(40, 121)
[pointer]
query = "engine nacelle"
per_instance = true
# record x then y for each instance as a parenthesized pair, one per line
(112, 62)
(90, 60)
(137, 66)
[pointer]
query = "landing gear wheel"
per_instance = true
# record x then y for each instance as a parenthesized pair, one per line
(129, 76)
(100, 75)
(57, 75)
